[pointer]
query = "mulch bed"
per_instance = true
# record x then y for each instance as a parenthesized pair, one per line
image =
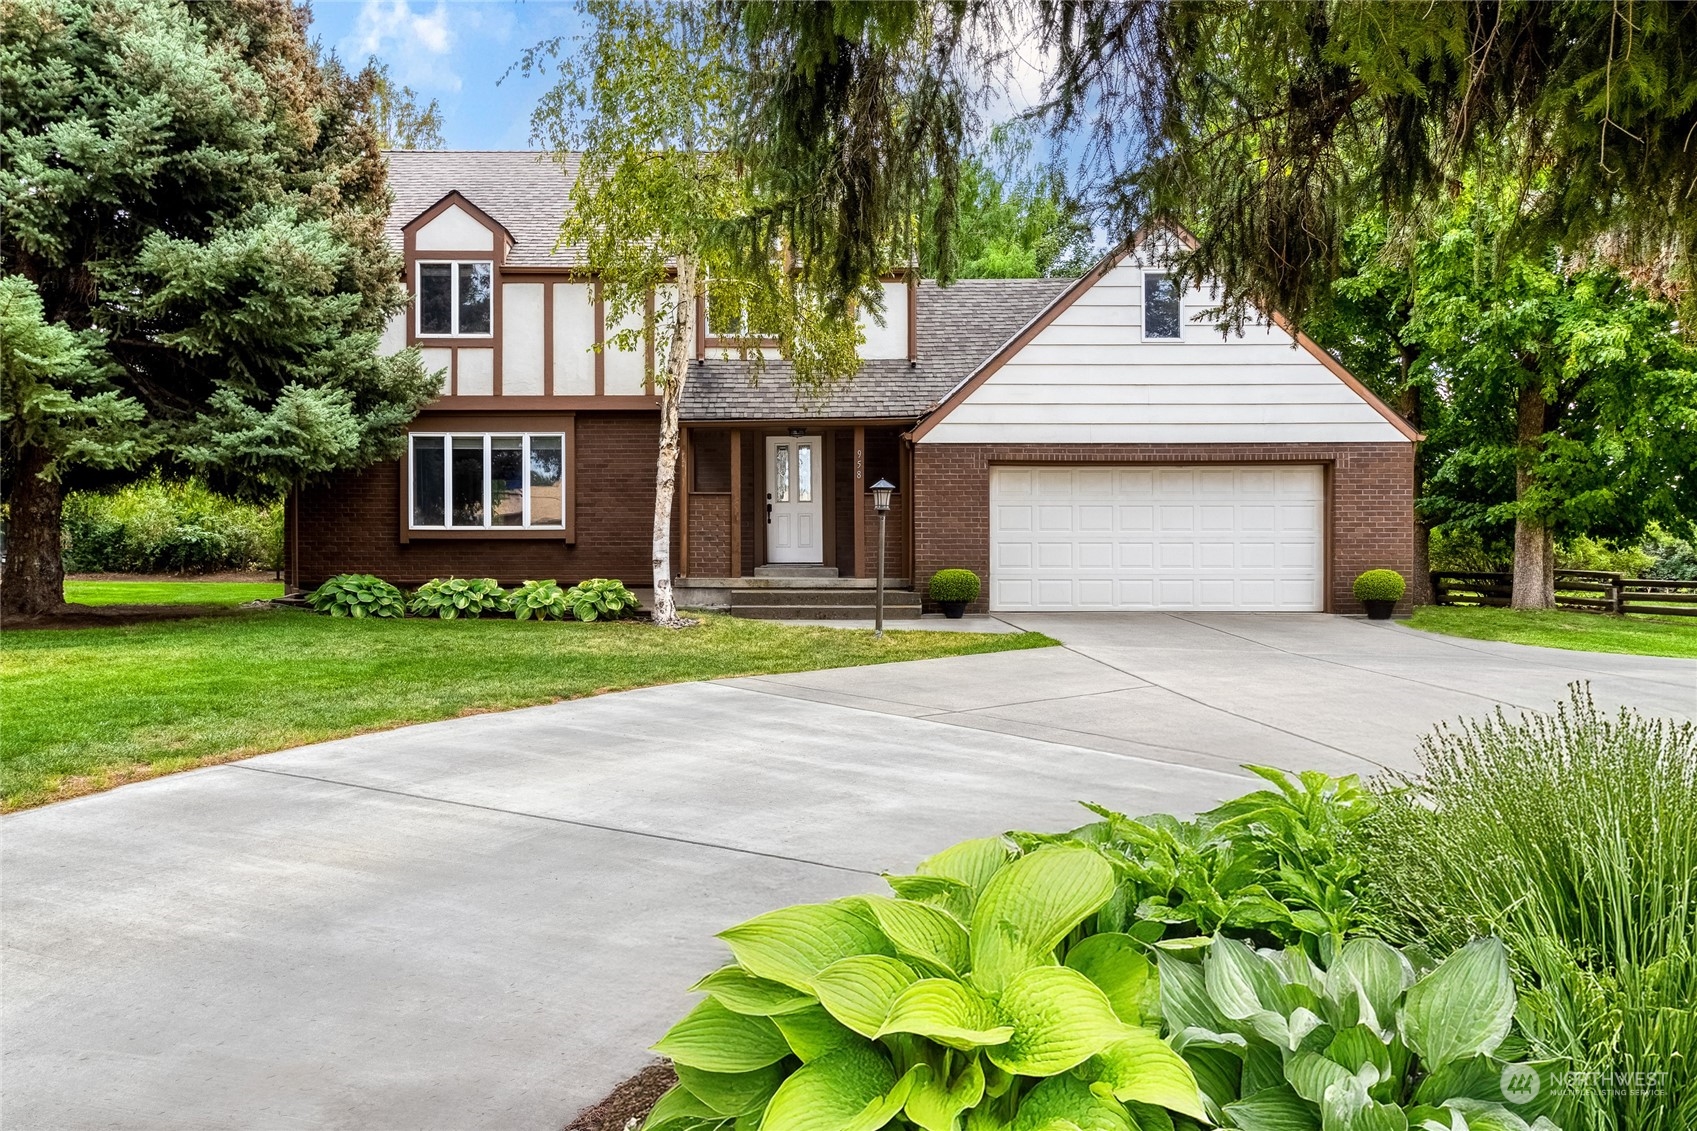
(116, 616)
(627, 1105)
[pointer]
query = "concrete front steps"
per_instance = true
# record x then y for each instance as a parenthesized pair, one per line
(839, 602)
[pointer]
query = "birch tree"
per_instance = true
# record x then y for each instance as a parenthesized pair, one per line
(642, 101)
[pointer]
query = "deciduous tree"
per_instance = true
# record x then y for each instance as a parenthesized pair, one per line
(197, 273)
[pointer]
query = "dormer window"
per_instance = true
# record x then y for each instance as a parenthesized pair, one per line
(456, 299)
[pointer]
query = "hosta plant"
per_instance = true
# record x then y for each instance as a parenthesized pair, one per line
(453, 597)
(357, 595)
(973, 997)
(539, 599)
(601, 598)
(1375, 1040)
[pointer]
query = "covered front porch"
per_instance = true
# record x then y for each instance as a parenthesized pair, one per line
(780, 512)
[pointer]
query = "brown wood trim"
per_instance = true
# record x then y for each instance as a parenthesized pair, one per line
(1019, 341)
(827, 497)
(496, 534)
(633, 403)
(403, 468)
(684, 475)
(498, 324)
(491, 422)
(909, 495)
(1328, 525)
(700, 325)
(600, 341)
(736, 503)
(467, 341)
(858, 490)
(784, 424)
(548, 337)
(453, 372)
(452, 198)
(648, 331)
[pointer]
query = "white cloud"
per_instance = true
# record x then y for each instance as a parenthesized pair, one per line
(412, 41)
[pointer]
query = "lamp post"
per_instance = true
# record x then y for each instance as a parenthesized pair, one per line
(881, 503)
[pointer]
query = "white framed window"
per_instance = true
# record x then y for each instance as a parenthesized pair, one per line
(488, 480)
(1163, 320)
(456, 298)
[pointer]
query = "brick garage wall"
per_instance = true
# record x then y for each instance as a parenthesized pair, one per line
(1371, 524)
(710, 535)
(353, 526)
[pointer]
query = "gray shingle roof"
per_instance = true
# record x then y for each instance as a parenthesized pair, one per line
(960, 327)
(526, 191)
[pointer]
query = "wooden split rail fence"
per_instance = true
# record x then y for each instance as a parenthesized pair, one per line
(1588, 589)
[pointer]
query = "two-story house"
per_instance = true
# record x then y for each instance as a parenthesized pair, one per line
(1081, 444)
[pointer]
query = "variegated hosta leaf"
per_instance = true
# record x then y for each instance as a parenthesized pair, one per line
(1378, 974)
(678, 1108)
(714, 1038)
(1495, 1117)
(1479, 1079)
(852, 1089)
(1348, 1107)
(1028, 907)
(812, 1032)
(1272, 1109)
(731, 1093)
(793, 944)
(949, 1012)
(1217, 1072)
(1060, 1019)
(741, 992)
(935, 1103)
(1241, 982)
(1184, 998)
(1140, 1066)
(1310, 1074)
(859, 991)
(1358, 1047)
(1116, 964)
(920, 931)
(1068, 1102)
(1461, 1009)
(972, 862)
(1303, 1028)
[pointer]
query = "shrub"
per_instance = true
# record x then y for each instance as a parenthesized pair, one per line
(357, 595)
(1380, 585)
(1573, 837)
(156, 526)
(1371, 1039)
(954, 585)
(539, 599)
(453, 597)
(601, 598)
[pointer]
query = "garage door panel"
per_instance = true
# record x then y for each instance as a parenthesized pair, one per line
(1203, 537)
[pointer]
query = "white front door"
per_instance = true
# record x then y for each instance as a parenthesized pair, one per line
(794, 500)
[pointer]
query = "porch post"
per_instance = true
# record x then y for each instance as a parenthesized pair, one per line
(859, 501)
(736, 502)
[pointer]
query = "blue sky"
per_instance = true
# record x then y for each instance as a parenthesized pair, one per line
(455, 53)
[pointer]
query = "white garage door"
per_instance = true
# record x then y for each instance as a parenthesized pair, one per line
(1103, 537)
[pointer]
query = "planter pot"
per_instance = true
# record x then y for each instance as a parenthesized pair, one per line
(1379, 610)
(954, 610)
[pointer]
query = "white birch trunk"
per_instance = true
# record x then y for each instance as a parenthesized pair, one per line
(671, 389)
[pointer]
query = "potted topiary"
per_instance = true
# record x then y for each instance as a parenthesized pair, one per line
(1379, 590)
(954, 589)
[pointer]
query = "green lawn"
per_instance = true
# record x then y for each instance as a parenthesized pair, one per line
(86, 709)
(1581, 632)
(170, 592)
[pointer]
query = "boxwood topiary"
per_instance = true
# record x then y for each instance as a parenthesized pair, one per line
(954, 585)
(1380, 585)
(454, 597)
(357, 595)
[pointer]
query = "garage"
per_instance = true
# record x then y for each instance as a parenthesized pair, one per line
(1243, 538)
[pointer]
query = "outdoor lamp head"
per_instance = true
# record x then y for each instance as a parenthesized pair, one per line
(881, 495)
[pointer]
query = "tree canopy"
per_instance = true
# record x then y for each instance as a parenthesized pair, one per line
(395, 113)
(197, 276)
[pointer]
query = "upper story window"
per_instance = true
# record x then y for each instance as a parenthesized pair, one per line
(1161, 316)
(456, 299)
(733, 316)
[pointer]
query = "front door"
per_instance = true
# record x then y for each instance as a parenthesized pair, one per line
(794, 500)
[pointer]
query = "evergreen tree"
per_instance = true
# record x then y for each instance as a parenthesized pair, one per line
(197, 277)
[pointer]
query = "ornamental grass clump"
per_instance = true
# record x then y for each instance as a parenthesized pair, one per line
(357, 595)
(454, 597)
(538, 599)
(1572, 836)
(601, 598)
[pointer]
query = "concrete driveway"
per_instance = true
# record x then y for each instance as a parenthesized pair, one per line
(484, 922)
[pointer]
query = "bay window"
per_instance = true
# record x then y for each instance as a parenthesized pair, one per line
(456, 299)
(492, 480)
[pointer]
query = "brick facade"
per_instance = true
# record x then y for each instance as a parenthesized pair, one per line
(353, 525)
(1370, 490)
